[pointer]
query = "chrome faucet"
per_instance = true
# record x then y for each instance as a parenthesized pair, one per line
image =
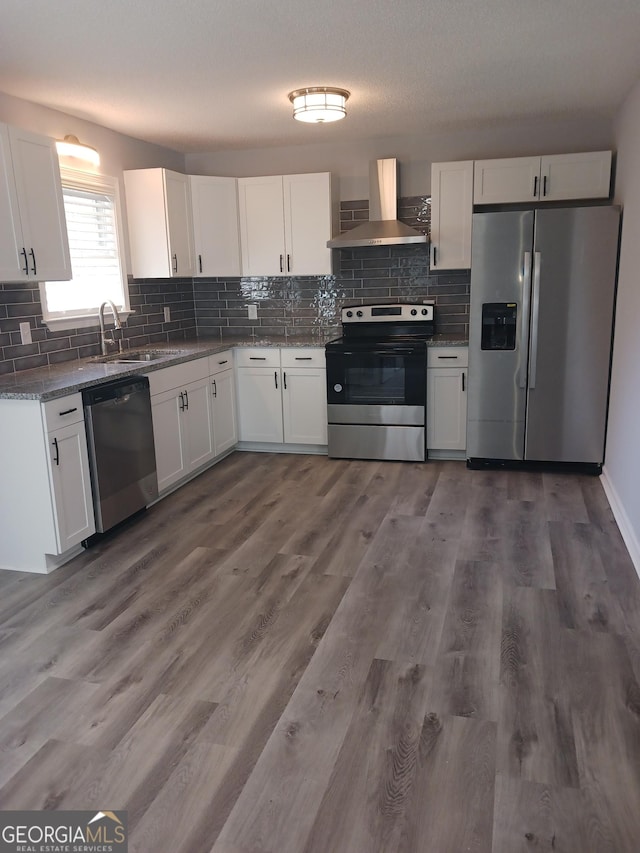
(104, 341)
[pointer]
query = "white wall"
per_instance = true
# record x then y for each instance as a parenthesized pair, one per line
(622, 464)
(350, 160)
(117, 151)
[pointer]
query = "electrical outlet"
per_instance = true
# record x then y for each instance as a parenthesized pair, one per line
(25, 333)
(167, 314)
(252, 312)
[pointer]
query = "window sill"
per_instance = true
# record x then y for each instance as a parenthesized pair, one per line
(83, 321)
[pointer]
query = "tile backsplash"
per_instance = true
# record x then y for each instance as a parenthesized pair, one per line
(311, 305)
(20, 303)
(217, 307)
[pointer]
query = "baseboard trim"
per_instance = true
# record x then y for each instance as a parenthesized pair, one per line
(622, 520)
(267, 447)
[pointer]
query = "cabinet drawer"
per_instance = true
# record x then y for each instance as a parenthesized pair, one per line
(178, 375)
(447, 356)
(220, 361)
(62, 411)
(258, 357)
(302, 357)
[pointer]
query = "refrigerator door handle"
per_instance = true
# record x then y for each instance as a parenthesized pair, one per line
(535, 310)
(524, 322)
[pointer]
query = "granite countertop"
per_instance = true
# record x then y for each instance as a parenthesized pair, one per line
(47, 383)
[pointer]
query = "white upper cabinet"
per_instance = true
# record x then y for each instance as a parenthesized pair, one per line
(160, 224)
(451, 215)
(216, 230)
(33, 230)
(557, 177)
(509, 180)
(285, 222)
(567, 176)
(261, 225)
(308, 223)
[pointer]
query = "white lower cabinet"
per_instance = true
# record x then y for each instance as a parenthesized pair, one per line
(225, 425)
(169, 438)
(71, 485)
(182, 420)
(223, 392)
(282, 396)
(447, 400)
(260, 405)
(45, 494)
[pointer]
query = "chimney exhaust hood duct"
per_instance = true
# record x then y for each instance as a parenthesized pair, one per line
(383, 228)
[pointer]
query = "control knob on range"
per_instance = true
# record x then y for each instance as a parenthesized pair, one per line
(349, 313)
(413, 312)
(425, 310)
(359, 313)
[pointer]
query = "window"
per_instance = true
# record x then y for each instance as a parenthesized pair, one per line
(91, 206)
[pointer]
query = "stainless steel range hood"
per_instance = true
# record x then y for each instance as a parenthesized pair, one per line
(383, 227)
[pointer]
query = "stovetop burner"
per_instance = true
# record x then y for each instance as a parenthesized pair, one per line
(398, 324)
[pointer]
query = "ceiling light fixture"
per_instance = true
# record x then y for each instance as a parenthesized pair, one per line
(319, 104)
(71, 146)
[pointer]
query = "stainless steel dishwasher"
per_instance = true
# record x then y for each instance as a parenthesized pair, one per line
(122, 458)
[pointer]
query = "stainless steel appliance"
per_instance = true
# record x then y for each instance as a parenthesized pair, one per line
(122, 457)
(383, 228)
(542, 301)
(377, 381)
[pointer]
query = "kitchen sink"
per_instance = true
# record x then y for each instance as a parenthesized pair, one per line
(136, 356)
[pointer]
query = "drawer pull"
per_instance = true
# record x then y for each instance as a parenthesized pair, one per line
(448, 356)
(224, 362)
(68, 411)
(257, 358)
(304, 358)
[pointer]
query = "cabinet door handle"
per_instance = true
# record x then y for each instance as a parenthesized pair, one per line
(284, 380)
(181, 403)
(281, 263)
(275, 376)
(200, 262)
(175, 263)
(435, 262)
(68, 411)
(33, 258)
(215, 389)
(544, 185)
(56, 458)
(535, 187)
(463, 383)
(186, 399)
(288, 263)
(257, 358)
(26, 261)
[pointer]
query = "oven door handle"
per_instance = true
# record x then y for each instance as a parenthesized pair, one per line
(387, 352)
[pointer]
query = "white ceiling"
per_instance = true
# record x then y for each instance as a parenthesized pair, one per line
(207, 75)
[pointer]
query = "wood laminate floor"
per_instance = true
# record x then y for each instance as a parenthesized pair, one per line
(302, 655)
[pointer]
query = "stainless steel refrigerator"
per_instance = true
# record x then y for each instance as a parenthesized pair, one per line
(540, 335)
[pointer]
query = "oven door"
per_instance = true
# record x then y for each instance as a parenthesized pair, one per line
(377, 376)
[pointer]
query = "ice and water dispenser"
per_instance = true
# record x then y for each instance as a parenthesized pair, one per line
(499, 325)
